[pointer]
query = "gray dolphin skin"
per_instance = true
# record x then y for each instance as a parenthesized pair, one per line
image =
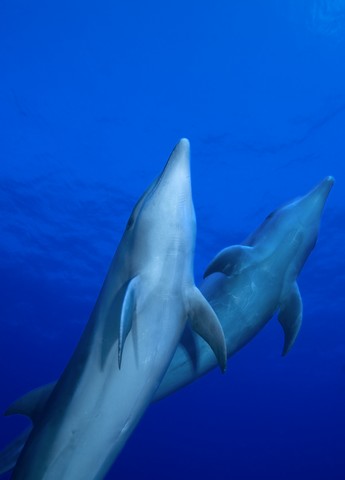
(130, 338)
(245, 284)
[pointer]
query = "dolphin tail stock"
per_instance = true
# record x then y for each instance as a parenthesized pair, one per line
(290, 316)
(205, 323)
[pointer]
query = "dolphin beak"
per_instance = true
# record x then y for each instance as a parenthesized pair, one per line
(178, 165)
(181, 152)
(315, 200)
(324, 187)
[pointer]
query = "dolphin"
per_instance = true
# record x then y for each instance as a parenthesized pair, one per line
(129, 340)
(246, 285)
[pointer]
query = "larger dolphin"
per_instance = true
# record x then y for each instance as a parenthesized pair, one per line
(256, 279)
(130, 339)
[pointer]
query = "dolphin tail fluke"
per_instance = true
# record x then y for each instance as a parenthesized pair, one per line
(290, 317)
(231, 260)
(205, 323)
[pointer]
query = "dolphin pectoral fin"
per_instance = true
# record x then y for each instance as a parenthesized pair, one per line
(205, 323)
(189, 345)
(231, 260)
(119, 320)
(31, 404)
(290, 317)
(127, 314)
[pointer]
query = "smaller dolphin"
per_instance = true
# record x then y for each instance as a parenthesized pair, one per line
(129, 341)
(245, 284)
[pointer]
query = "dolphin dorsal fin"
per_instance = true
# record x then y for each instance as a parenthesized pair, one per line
(231, 260)
(31, 404)
(204, 322)
(290, 316)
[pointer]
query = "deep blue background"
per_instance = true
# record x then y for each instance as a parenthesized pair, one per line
(93, 97)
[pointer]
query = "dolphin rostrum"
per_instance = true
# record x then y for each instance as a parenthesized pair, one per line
(250, 283)
(129, 341)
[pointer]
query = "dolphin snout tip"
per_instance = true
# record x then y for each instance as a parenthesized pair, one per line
(181, 154)
(178, 164)
(330, 180)
(184, 146)
(181, 151)
(184, 142)
(327, 184)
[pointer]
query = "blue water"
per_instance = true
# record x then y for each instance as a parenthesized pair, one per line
(93, 97)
